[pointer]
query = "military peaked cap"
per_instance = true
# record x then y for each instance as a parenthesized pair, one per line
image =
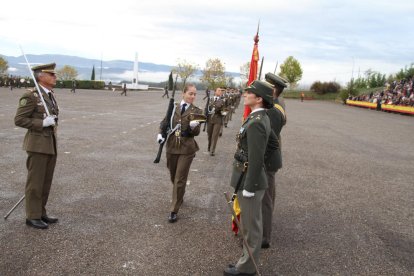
(47, 68)
(262, 89)
(275, 80)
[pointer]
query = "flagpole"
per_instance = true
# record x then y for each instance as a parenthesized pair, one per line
(100, 75)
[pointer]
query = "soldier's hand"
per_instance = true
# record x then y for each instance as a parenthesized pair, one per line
(247, 194)
(49, 121)
(194, 124)
(160, 139)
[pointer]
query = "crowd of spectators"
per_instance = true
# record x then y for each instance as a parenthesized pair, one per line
(395, 93)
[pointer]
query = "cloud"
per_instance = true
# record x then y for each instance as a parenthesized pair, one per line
(328, 33)
(142, 76)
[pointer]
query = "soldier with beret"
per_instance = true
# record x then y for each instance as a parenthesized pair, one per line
(215, 120)
(181, 145)
(124, 90)
(166, 92)
(250, 183)
(273, 157)
(73, 89)
(40, 144)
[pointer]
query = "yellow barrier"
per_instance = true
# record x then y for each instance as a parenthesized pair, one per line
(387, 107)
(398, 108)
(362, 104)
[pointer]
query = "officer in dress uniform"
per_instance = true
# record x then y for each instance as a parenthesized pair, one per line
(215, 120)
(181, 145)
(40, 144)
(273, 157)
(252, 140)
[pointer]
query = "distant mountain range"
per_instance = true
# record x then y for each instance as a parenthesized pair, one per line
(113, 70)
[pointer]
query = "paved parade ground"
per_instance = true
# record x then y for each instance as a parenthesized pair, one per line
(344, 203)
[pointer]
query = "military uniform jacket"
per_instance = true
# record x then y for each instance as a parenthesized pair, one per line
(30, 115)
(273, 156)
(185, 143)
(216, 117)
(253, 138)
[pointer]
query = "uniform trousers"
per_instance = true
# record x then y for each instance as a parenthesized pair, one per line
(213, 131)
(40, 168)
(268, 204)
(179, 166)
(226, 118)
(251, 222)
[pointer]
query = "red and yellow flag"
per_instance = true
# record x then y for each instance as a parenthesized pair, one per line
(253, 69)
(236, 208)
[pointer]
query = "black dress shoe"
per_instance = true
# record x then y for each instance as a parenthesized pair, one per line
(49, 219)
(265, 245)
(172, 217)
(232, 270)
(212, 154)
(36, 223)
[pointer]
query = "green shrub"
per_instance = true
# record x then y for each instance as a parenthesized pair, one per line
(325, 87)
(81, 84)
(343, 95)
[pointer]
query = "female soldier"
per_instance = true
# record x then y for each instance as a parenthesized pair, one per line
(249, 177)
(181, 145)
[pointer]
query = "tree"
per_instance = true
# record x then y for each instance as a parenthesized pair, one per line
(291, 71)
(185, 70)
(214, 74)
(230, 81)
(93, 73)
(3, 66)
(351, 89)
(67, 73)
(244, 72)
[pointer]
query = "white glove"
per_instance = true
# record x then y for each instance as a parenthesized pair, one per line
(247, 194)
(49, 121)
(160, 139)
(194, 124)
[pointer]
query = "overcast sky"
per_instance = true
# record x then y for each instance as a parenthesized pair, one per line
(329, 38)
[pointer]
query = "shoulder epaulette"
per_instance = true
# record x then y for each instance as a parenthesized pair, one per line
(280, 108)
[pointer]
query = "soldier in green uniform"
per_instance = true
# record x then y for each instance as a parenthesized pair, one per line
(40, 144)
(227, 107)
(252, 140)
(181, 145)
(273, 157)
(215, 120)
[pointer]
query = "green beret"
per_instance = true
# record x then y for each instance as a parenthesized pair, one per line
(47, 68)
(261, 89)
(275, 80)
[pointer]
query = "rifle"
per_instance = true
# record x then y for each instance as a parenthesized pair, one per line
(276, 67)
(260, 72)
(206, 112)
(165, 128)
